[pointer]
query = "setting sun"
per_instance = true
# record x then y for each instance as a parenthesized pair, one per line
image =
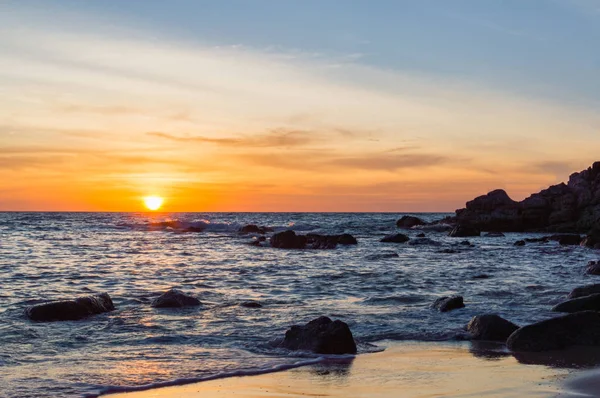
(153, 202)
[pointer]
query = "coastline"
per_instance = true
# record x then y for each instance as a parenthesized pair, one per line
(416, 369)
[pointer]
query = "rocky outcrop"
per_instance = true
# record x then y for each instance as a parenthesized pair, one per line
(445, 304)
(584, 291)
(395, 238)
(289, 240)
(254, 229)
(322, 336)
(585, 303)
(174, 299)
(578, 329)
(593, 268)
(409, 222)
(71, 310)
(490, 327)
(463, 231)
(571, 207)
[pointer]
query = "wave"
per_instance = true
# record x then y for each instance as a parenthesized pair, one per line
(236, 373)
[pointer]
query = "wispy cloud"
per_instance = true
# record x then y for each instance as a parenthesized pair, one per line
(280, 137)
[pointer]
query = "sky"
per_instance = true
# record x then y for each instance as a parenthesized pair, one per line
(281, 105)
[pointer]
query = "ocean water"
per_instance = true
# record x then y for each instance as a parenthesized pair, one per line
(383, 291)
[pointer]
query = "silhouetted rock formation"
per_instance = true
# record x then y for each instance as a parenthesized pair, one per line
(174, 299)
(445, 304)
(463, 231)
(395, 238)
(490, 327)
(71, 310)
(584, 291)
(289, 240)
(593, 268)
(578, 329)
(585, 303)
(409, 222)
(322, 336)
(572, 207)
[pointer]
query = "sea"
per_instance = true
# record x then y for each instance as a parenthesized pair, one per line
(384, 291)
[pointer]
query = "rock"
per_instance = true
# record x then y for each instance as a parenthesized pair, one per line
(481, 276)
(466, 243)
(449, 251)
(347, 239)
(251, 304)
(322, 336)
(255, 242)
(395, 238)
(490, 327)
(593, 268)
(70, 310)
(174, 298)
(572, 207)
(578, 329)
(316, 241)
(494, 235)
(585, 303)
(592, 240)
(408, 222)
(519, 243)
(421, 235)
(423, 241)
(254, 229)
(445, 304)
(566, 239)
(584, 291)
(464, 230)
(543, 239)
(288, 240)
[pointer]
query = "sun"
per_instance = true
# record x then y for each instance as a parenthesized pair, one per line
(153, 202)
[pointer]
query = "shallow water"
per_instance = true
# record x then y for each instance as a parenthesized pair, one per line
(47, 256)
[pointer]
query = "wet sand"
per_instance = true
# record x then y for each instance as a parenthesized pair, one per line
(405, 369)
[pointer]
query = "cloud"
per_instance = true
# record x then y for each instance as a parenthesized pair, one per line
(390, 162)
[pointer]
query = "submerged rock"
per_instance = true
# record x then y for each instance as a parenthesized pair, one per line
(421, 235)
(445, 304)
(71, 310)
(585, 303)
(409, 222)
(254, 229)
(519, 243)
(463, 231)
(251, 304)
(395, 238)
(578, 329)
(481, 276)
(289, 240)
(584, 291)
(593, 268)
(490, 327)
(347, 239)
(174, 298)
(322, 336)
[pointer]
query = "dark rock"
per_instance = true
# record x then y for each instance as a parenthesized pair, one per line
(494, 235)
(593, 268)
(466, 243)
(255, 242)
(566, 239)
(490, 327)
(409, 222)
(288, 240)
(592, 240)
(463, 231)
(347, 239)
(519, 243)
(251, 304)
(543, 239)
(316, 241)
(71, 310)
(174, 298)
(252, 229)
(585, 303)
(322, 336)
(584, 291)
(572, 207)
(578, 329)
(395, 238)
(262, 239)
(445, 304)
(481, 276)
(421, 235)
(423, 241)
(449, 251)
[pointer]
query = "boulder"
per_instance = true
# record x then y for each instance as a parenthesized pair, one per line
(174, 298)
(593, 268)
(585, 303)
(464, 230)
(490, 327)
(347, 239)
(254, 229)
(408, 222)
(584, 291)
(288, 240)
(519, 243)
(70, 310)
(322, 336)
(578, 329)
(395, 238)
(423, 242)
(251, 304)
(566, 239)
(445, 304)
(316, 241)
(421, 235)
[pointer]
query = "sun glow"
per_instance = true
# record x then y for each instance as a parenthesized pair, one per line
(153, 202)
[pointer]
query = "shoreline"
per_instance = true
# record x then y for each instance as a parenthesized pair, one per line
(418, 369)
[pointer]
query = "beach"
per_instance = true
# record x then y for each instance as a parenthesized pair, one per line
(408, 369)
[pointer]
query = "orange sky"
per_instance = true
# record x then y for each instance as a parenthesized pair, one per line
(96, 121)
